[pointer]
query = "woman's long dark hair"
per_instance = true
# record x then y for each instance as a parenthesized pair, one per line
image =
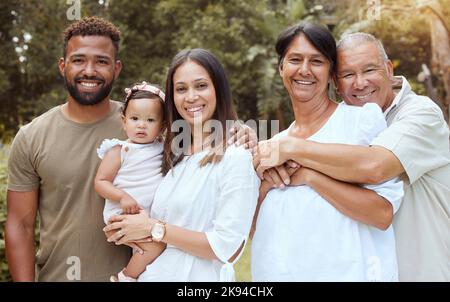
(224, 105)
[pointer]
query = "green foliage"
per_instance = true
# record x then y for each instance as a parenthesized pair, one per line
(9, 70)
(30, 47)
(4, 273)
(241, 33)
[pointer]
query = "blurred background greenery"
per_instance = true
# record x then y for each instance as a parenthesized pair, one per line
(241, 33)
(4, 275)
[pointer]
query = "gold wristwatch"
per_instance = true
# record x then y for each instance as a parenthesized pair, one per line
(158, 231)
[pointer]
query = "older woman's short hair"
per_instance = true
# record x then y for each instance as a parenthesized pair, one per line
(318, 35)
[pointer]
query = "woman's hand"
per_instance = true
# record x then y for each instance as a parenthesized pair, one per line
(280, 176)
(270, 153)
(302, 176)
(131, 228)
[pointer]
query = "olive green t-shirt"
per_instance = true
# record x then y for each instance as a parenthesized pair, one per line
(58, 157)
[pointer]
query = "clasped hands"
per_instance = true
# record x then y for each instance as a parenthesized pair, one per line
(270, 158)
(272, 164)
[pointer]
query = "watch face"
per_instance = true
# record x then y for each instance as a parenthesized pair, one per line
(158, 231)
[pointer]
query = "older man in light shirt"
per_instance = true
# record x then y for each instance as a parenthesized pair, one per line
(415, 146)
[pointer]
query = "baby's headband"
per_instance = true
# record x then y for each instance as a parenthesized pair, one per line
(146, 87)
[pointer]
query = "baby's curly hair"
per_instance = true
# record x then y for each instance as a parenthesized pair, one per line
(92, 26)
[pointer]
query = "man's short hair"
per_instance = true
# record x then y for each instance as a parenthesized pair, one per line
(351, 40)
(92, 26)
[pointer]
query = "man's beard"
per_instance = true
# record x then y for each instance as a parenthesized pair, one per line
(88, 98)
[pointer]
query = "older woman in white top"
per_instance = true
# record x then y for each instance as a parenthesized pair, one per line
(204, 206)
(317, 228)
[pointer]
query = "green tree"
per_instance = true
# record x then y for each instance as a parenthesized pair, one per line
(240, 33)
(31, 45)
(10, 74)
(4, 272)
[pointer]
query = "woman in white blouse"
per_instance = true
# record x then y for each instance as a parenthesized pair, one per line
(204, 206)
(317, 228)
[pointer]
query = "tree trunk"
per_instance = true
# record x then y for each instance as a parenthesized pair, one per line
(440, 47)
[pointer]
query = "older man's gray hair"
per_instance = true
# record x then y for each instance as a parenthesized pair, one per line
(355, 39)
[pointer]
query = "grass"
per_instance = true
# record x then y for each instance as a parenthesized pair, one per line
(242, 267)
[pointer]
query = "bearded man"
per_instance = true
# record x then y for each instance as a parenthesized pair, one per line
(52, 166)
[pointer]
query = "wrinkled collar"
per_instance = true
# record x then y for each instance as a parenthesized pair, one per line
(399, 95)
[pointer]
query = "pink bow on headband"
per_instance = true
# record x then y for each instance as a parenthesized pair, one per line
(146, 87)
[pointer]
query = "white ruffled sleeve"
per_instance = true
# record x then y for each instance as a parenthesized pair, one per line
(371, 123)
(106, 145)
(391, 190)
(238, 194)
